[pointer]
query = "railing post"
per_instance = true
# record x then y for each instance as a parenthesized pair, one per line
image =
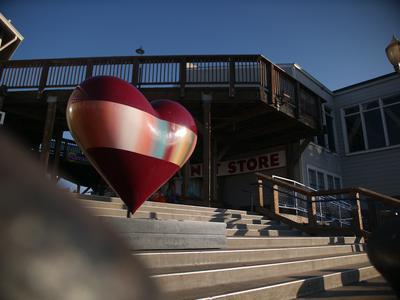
(262, 80)
(275, 199)
(311, 210)
(43, 78)
(297, 99)
(260, 192)
(272, 83)
(135, 72)
(358, 213)
(232, 79)
(182, 77)
(89, 69)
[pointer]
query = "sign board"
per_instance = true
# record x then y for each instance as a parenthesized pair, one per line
(266, 161)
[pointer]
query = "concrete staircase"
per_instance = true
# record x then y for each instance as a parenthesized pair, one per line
(263, 259)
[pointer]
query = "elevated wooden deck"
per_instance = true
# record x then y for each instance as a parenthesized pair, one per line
(241, 102)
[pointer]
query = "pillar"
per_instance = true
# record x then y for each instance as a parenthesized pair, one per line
(57, 150)
(48, 131)
(206, 98)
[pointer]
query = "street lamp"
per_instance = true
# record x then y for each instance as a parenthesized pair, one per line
(393, 53)
(140, 50)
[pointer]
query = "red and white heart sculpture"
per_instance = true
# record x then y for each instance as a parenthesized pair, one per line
(136, 146)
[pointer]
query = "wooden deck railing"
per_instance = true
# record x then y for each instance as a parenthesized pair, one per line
(364, 214)
(228, 71)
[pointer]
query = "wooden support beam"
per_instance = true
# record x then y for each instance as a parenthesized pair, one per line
(272, 84)
(358, 214)
(57, 150)
(311, 210)
(260, 189)
(275, 199)
(297, 110)
(207, 153)
(232, 79)
(214, 169)
(48, 131)
(182, 77)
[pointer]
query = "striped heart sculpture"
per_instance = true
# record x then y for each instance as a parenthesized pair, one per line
(135, 146)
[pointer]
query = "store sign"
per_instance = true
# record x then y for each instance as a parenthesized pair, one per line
(267, 161)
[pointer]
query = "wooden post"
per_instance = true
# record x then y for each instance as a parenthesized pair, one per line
(272, 84)
(275, 199)
(260, 192)
(232, 79)
(214, 167)
(135, 72)
(311, 210)
(48, 131)
(186, 176)
(89, 69)
(182, 77)
(57, 150)
(297, 99)
(358, 214)
(207, 149)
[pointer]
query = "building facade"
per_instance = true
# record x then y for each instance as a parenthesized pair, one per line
(360, 144)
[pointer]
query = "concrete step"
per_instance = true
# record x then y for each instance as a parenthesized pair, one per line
(236, 225)
(185, 281)
(262, 232)
(366, 289)
(279, 242)
(286, 287)
(117, 201)
(178, 209)
(161, 262)
(143, 214)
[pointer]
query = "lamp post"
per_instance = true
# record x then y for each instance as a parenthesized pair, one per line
(393, 53)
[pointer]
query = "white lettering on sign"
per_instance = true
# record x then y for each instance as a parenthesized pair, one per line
(267, 161)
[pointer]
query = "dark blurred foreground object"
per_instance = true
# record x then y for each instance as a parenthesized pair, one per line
(384, 252)
(51, 248)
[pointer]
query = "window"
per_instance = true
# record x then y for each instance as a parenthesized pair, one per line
(373, 125)
(321, 181)
(330, 129)
(327, 139)
(331, 185)
(355, 136)
(317, 179)
(312, 179)
(391, 108)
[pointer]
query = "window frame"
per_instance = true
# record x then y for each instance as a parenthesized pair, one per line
(325, 175)
(361, 111)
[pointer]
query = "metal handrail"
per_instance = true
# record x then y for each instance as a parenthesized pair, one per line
(357, 212)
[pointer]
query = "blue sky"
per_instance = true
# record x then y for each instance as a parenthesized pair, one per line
(339, 42)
